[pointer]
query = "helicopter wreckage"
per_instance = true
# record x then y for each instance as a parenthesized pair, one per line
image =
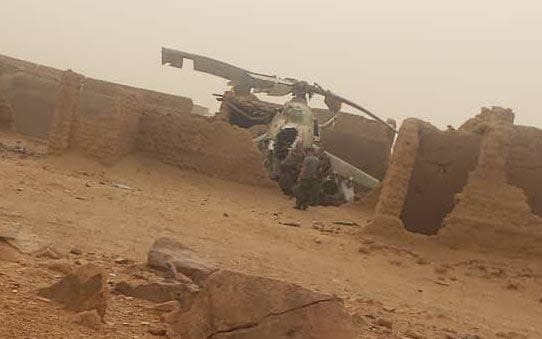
(283, 131)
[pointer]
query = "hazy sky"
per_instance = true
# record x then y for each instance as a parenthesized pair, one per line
(436, 60)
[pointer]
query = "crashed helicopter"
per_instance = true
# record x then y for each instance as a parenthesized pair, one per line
(290, 127)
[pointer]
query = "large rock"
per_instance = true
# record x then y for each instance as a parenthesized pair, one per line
(234, 305)
(169, 254)
(8, 253)
(83, 290)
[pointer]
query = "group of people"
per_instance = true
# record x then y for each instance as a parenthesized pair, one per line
(307, 175)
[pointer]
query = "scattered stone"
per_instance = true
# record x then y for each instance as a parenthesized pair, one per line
(318, 241)
(441, 270)
(45, 300)
(364, 250)
(384, 323)
(157, 292)
(88, 184)
(76, 251)
(422, 261)
(472, 336)
(61, 267)
(232, 304)
(8, 252)
(512, 286)
(414, 335)
(389, 309)
(145, 323)
(157, 331)
(166, 253)
(48, 252)
(83, 290)
(359, 320)
(124, 261)
(346, 223)
(226, 215)
(168, 306)
(290, 223)
(90, 319)
(124, 187)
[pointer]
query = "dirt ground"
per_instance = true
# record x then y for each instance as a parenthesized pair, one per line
(394, 288)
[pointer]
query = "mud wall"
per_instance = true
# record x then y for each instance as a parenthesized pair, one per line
(495, 207)
(211, 147)
(395, 185)
(31, 92)
(524, 164)
(363, 143)
(31, 99)
(6, 114)
(108, 121)
(443, 162)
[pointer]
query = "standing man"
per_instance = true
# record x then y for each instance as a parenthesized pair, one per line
(309, 180)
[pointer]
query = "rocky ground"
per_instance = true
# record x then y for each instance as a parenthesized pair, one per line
(85, 213)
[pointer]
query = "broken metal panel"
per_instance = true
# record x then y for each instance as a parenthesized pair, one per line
(346, 170)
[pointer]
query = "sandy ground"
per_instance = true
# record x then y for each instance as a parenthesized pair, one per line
(423, 289)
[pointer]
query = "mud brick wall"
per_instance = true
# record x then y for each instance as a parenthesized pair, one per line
(31, 92)
(65, 111)
(106, 122)
(361, 142)
(443, 162)
(208, 146)
(31, 99)
(394, 187)
(478, 185)
(490, 208)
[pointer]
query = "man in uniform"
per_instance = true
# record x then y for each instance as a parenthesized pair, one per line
(309, 180)
(290, 169)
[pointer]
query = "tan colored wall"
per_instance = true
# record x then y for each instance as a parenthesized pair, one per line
(108, 121)
(492, 208)
(208, 146)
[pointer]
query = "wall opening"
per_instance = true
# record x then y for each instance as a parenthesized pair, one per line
(443, 162)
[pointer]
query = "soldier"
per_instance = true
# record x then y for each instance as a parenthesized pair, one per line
(290, 169)
(308, 183)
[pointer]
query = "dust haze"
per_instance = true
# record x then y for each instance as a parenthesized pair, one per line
(433, 60)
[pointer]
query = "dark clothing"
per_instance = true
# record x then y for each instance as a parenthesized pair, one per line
(325, 164)
(289, 171)
(306, 193)
(308, 189)
(311, 168)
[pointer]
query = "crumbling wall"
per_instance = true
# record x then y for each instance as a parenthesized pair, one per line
(491, 209)
(443, 162)
(209, 146)
(361, 142)
(395, 185)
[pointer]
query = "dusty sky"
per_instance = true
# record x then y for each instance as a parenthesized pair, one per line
(433, 59)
